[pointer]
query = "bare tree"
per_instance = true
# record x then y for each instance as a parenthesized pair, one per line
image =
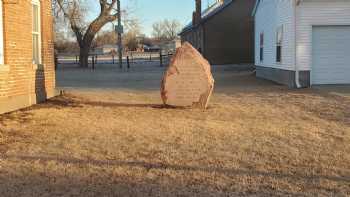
(131, 38)
(131, 41)
(166, 30)
(157, 31)
(171, 29)
(74, 11)
(106, 37)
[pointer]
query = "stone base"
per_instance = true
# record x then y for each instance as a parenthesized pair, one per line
(9, 104)
(284, 77)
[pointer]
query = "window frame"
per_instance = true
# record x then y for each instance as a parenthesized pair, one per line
(279, 44)
(261, 46)
(38, 33)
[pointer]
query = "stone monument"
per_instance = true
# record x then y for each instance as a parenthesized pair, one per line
(188, 81)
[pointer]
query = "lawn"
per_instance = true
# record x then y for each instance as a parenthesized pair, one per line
(255, 139)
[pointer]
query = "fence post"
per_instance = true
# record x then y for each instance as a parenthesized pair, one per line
(128, 62)
(56, 61)
(120, 60)
(161, 58)
(93, 62)
(132, 57)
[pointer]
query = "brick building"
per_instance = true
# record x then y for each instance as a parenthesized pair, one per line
(27, 74)
(224, 32)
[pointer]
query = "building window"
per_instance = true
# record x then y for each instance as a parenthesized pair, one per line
(279, 41)
(261, 47)
(1, 36)
(36, 32)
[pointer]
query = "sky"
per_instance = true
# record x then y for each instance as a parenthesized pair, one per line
(151, 11)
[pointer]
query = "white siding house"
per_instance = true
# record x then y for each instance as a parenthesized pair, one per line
(301, 43)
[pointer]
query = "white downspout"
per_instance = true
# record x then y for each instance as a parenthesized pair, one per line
(297, 81)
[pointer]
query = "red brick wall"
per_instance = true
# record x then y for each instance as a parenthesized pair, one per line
(48, 44)
(23, 80)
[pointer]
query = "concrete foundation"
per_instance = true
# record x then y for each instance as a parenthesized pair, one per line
(13, 103)
(284, 77)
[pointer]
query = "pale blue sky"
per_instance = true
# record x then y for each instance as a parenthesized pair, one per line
(151, 11)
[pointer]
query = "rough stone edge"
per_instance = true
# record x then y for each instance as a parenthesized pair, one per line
(206, 95)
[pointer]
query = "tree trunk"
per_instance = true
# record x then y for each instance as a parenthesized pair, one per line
(84, 57)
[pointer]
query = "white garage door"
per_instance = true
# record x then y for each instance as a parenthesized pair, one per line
(331, 55)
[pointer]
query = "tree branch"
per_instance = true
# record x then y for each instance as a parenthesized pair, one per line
(72, 11)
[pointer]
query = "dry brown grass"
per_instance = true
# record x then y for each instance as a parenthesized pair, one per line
(263, 141)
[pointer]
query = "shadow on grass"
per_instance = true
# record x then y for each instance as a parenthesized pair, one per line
(135, 105)
(59, 102)
(184, 168)
(10, 136)
(70, 101)
(39, 183)
(22, 117)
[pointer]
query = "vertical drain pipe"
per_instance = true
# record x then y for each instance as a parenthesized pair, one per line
(297, 77)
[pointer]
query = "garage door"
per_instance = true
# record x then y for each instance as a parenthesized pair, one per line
(331, 55)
